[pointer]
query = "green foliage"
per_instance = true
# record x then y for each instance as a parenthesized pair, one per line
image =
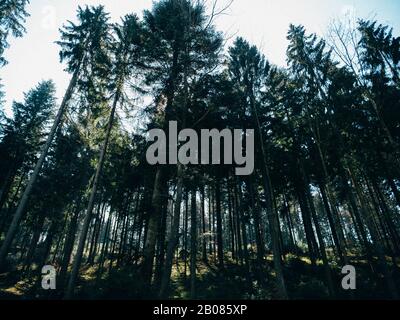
(12, 18)
(85, 45)
(380, 50)
(24, 133)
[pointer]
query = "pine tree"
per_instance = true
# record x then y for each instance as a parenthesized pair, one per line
(12, 17)
(23, 135)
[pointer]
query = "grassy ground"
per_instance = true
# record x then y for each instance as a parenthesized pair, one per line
(303, 281)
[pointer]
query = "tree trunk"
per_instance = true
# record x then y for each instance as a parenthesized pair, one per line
(78, 257)
(220, 249)
(332, 223)
(69, 243)
(231, 223)
(256, 217)
(203, 219)
(193, 244)
(174, 235)
(152, 227)
(306, 217)
(161, 244)
(272, 216)
(34, 242)
(237, 211)
(185, 234)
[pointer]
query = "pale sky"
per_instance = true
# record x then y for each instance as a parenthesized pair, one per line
(262, 22)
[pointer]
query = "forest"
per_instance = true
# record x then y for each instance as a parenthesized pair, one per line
(77, 193)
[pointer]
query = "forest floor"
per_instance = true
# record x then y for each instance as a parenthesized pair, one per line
(233, 282)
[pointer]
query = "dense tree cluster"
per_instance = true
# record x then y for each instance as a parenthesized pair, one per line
(77, 192)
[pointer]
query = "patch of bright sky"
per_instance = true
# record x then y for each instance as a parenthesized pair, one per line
(262, 22)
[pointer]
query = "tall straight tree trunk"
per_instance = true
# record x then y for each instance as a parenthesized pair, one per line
(78, 257)
(34, 242)
(174, 235)
(214, 231)
(272, 215)
(303, 192)
(69, 243)
(59, 241)
(135, 226)
(44, 259)
(104, 248)
(5, 247)
(114, 239)
(286, 211)
(24, 244)
(210, 222)
(193, 244)
(256, 217)
(231, 223)
(307, 222)
(93, 239)
(185, 234)
(99, 229)
(124, 232)
(203, 224)
(161, 243)
(237, 211)
(220, 247)
(332, 223)
(244, 239)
